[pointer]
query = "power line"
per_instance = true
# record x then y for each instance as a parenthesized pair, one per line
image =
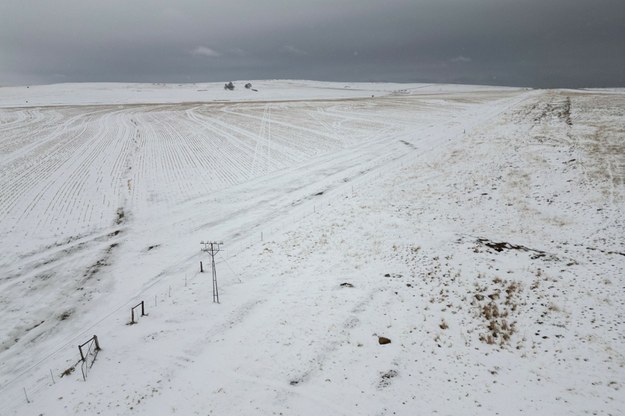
(212, 248)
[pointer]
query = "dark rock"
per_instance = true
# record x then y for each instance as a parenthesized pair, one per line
(383, 340)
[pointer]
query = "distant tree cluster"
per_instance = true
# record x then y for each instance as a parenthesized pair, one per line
(230, 86)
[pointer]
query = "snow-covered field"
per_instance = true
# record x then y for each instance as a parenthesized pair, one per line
(480, 229)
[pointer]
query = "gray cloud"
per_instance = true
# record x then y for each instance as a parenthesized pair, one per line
(558, 43)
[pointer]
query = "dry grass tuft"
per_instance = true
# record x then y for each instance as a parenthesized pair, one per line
(494, 310)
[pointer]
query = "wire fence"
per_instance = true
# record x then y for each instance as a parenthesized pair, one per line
(60, 360)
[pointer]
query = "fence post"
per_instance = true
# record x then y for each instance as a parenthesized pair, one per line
(97, 344)
(132, 311)
(201, 268)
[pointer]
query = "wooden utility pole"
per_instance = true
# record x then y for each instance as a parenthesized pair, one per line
(212, 248)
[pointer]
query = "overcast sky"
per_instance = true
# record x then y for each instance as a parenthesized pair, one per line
(536, 43)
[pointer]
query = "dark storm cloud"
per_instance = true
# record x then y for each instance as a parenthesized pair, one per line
(524, 42)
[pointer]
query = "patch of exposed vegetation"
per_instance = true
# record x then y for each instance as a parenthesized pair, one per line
(68, 371)
(386, 377)
(496, 306)
(503, 245)
(120, 215)
(65, 315)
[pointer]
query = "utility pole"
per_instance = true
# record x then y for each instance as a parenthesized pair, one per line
(212, 248)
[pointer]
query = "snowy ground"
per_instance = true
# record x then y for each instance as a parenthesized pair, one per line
(479, 229)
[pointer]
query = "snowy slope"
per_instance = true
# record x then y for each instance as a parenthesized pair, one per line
(481, 230)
